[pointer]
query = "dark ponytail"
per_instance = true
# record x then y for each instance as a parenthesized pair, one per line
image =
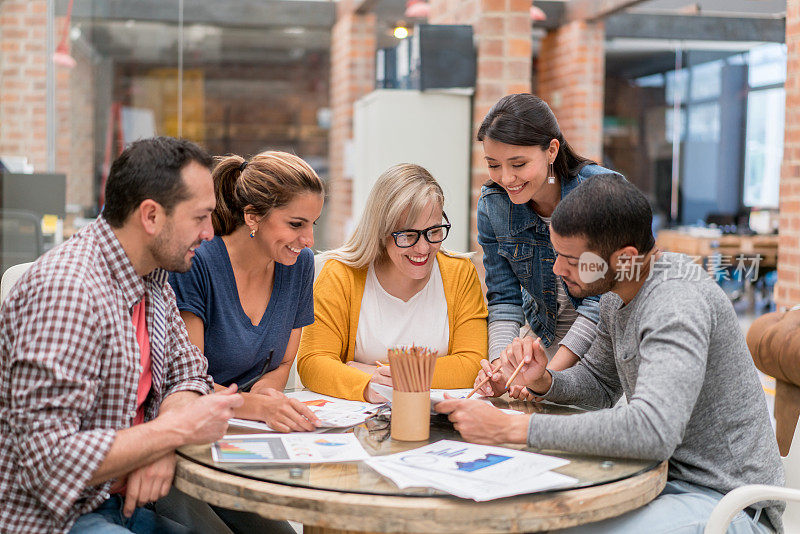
(526, 120)
(229, 214)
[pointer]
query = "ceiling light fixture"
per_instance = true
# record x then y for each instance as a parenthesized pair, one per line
(537, 14)
(417, 9)
(61, 55)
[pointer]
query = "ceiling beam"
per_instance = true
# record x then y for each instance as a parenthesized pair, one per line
(695, 27)
(592, 10)
(239, 13)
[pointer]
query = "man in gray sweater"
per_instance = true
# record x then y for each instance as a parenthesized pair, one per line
(668, 338)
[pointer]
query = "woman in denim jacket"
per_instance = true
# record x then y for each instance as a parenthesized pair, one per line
(532, 168)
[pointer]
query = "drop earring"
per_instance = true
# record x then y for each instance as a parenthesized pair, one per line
(252, 233)
(551, 175)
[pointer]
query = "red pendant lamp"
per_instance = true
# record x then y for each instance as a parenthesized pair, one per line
(61, 56)
(417, 9)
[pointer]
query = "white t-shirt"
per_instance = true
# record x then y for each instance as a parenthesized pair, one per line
(386, 321)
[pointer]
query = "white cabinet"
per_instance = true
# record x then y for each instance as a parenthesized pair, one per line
(431, 129)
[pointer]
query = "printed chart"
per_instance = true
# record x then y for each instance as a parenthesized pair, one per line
(288, 448)
(477, 472)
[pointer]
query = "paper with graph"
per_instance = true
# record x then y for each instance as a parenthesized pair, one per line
(288, 448)
(477, 472)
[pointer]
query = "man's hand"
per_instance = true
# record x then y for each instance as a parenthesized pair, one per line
(149, 483)
(534, 369)
(480, 422)
(282, 413)
(204, 419)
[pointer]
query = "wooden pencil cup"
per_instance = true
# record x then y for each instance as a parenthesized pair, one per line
(411, 415)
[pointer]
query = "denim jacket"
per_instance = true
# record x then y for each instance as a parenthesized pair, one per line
(518, 258)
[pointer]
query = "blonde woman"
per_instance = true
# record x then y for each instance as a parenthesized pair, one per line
(392, 284)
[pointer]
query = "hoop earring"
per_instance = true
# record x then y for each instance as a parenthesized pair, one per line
(551, 175)
(252, 233)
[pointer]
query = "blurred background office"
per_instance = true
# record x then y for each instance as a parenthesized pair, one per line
(687, 99)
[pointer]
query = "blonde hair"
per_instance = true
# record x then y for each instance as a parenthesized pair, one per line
(396, 200)
(269, 180)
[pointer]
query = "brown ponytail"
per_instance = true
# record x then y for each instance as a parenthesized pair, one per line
(269, 180)
(228, 215)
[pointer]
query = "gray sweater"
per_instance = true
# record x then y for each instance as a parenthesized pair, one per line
(678, 354)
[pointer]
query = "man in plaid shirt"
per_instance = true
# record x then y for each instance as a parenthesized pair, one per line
(98, 380)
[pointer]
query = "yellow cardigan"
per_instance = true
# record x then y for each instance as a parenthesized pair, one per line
(329, 343)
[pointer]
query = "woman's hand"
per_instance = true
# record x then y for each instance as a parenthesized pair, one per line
(367, 368)
(282, 413)
(495, 386)
(522, 393)
(378, 375)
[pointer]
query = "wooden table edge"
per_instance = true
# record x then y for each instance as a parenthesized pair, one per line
(330, 509)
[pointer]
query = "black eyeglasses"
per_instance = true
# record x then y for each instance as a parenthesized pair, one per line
(433, 234)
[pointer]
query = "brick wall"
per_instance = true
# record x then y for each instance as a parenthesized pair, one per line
(787, 290)
(504, 47)
(571, 73)
(23, 125)
(23, 106)
(352, 76)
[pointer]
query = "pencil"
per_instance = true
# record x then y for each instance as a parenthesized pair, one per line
(515, 373)
(483, 382)
(380, 363)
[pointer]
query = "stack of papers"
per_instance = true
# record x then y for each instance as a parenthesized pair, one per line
(288, 448)
(437, 396)
(332, 412)
(477, 472)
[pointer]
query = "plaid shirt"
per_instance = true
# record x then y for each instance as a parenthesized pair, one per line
(69, 370)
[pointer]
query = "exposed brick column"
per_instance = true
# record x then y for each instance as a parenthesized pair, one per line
(23, 98)
(23, 89)
(352, 76)
(787, 290)
(571, 75)
(503, 37)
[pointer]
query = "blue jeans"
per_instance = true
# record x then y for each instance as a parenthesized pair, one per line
(682, 508)
(108, 519)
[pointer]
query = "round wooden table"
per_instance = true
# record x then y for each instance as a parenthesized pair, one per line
(351, 497)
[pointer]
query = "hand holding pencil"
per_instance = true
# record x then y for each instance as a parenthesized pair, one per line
(525, 364)
(489, 380)
(522, 363)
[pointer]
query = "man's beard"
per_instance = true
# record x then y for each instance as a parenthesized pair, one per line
(168, 255)
(598, 287)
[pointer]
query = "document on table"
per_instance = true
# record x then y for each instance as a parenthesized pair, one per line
(437, 395)
(332, 412)
(477, 472)
(288, 449)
